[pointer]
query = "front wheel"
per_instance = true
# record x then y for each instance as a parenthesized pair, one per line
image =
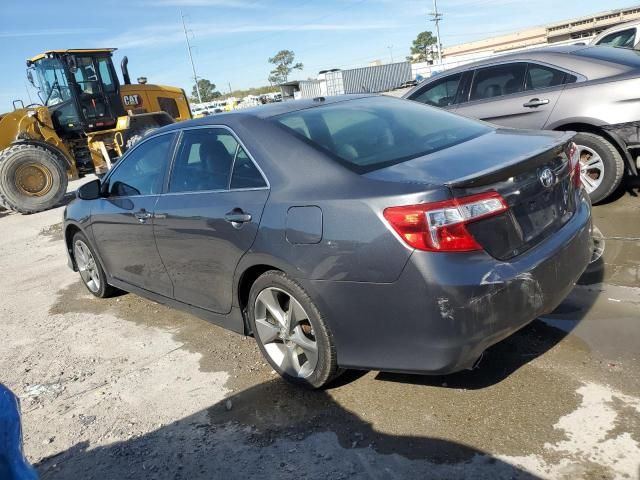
(601, 165)
(89, 267)
(290, 331)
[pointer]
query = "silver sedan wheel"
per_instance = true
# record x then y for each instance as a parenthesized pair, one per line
(86, 266)
(284, 329)
(591, 168)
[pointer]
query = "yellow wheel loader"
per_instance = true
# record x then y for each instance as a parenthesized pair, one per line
(84, 123)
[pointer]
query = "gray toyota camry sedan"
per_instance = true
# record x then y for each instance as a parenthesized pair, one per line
(359, 232)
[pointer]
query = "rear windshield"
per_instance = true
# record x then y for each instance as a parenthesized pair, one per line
(375, 132)
(622, 56)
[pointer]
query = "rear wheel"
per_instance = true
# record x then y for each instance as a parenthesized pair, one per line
(89, 268)
(32, 178)
(290, 331)
(601, 165)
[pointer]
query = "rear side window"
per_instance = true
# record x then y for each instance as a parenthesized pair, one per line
(497, 81)
(169, 105)
(540, 76)
(440, 93)
(204, 160)
(245, 173)
(142, 171)
(624, 38)
(374, 132)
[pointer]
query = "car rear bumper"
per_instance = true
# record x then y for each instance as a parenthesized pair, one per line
(446, 309)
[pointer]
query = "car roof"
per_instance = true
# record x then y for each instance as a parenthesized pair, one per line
(574, 58)
(264, 111)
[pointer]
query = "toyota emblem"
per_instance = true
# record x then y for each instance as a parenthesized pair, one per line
(547, 178)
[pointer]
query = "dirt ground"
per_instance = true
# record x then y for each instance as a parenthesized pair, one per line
(127, 388)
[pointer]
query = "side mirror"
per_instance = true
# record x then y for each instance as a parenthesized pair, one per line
(71, 63)
(89, 191)
(30, 76)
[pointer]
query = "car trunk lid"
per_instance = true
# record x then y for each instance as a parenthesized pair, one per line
(530, 170)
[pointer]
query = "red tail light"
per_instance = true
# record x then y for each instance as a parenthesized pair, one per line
(441, 226)
(574, 164)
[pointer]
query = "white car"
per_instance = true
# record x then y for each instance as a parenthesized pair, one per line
(626, 35)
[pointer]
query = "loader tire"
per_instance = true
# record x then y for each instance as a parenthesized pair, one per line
(32, 178)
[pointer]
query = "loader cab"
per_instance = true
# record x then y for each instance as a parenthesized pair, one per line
(80, 89)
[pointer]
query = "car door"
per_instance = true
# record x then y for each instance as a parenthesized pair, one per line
(517, 94)
(209, 216)
(440, 92)
(122, 221)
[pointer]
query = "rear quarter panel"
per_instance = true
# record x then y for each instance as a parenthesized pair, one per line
(598, 103)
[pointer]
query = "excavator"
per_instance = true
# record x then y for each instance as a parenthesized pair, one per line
(85, 120)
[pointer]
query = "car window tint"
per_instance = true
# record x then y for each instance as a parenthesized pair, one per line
(204, 160)
(539, 76)
(245, 173)
(496, 81)
(142, 171)
(371, 133)
(624, 38)
(440, 93)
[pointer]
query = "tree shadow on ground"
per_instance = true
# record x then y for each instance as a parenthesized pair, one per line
(276, 430)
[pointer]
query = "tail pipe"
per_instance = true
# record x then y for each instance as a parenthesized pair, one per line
(124, 65)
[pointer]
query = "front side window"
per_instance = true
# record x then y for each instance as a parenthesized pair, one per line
(142, 171)
(440, 93)
(539, 76)
(203, 161)
(85, 76)
(497, 81)
(52, 80)
(374, 132)
(624, 38)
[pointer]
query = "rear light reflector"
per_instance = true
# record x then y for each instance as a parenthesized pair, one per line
(574, 165)
(441, 226)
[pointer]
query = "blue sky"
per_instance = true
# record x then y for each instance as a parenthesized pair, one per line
(234, 38)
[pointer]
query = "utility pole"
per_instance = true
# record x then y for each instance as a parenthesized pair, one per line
(436, 17)
(390, 47)
(193, 65)
(230, 88)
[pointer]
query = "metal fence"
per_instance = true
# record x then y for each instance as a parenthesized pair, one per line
(310, 88)
(376, 79)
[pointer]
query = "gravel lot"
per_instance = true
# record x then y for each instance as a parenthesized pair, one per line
(127, 388)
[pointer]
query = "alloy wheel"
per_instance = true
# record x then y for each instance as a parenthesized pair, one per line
(284, 329)
(591, 168)
(87, 266)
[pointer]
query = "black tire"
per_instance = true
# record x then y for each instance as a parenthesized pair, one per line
(613, 164)
(104, 290)
(326, 369)
(47, 168)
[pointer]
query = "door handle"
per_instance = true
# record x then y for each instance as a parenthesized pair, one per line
(237, 217)
(536, 102)
(143, 215)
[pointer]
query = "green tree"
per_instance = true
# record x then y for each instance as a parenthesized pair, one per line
(283, 61)
(421, 45)
(208, 91)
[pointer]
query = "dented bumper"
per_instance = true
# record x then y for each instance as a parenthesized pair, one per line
(446, 309)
